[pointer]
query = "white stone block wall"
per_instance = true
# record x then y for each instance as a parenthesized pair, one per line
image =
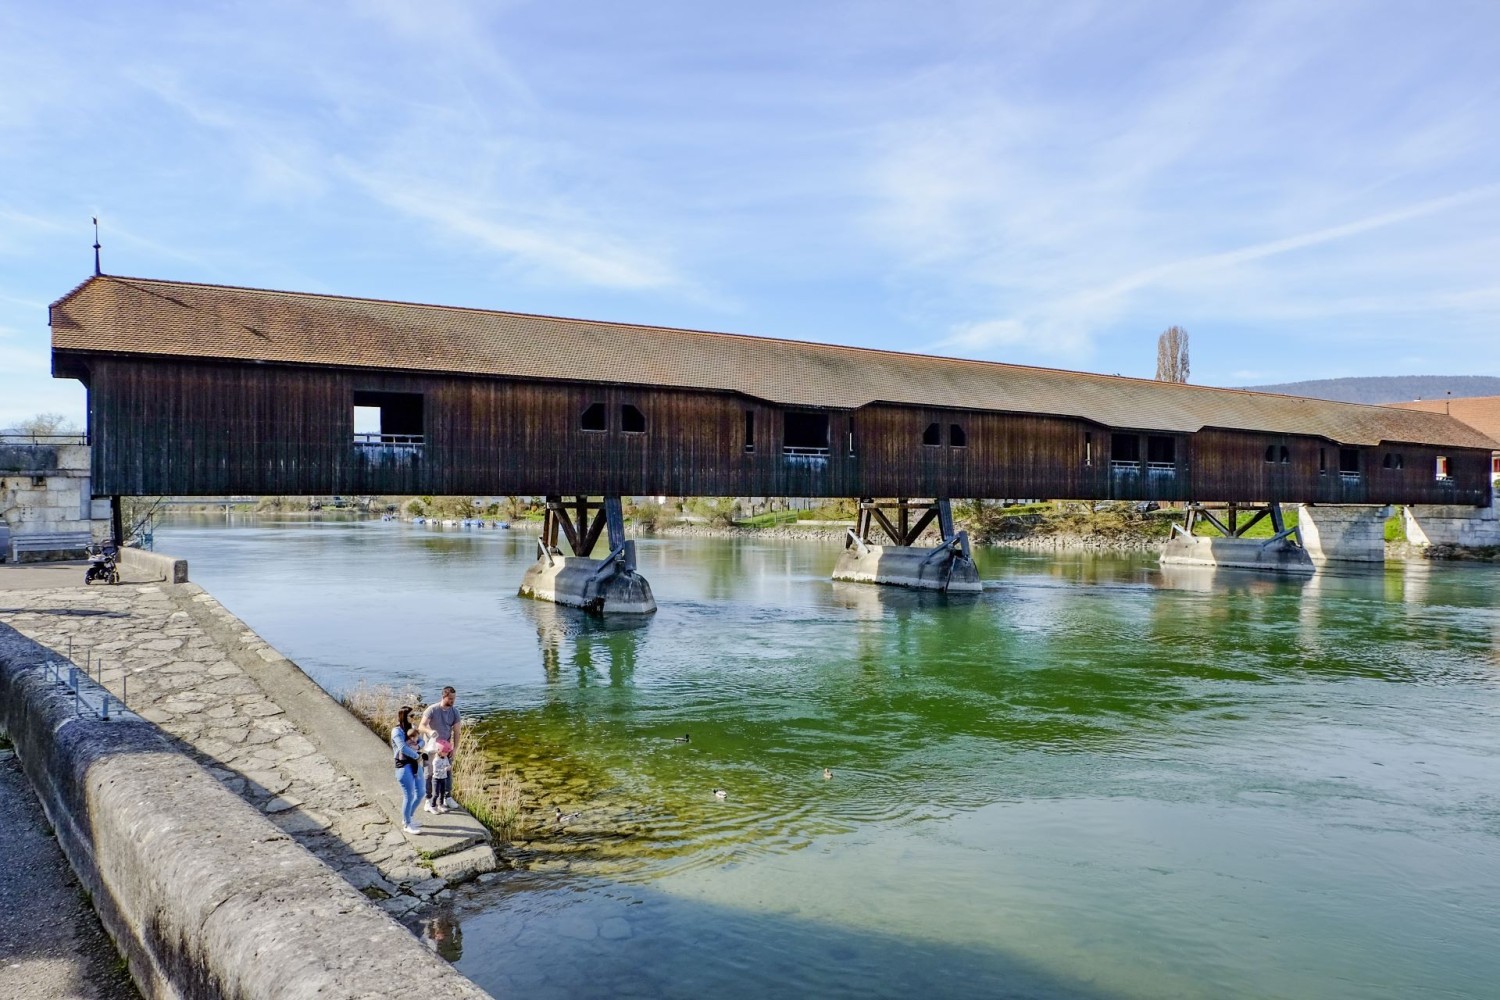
(1452, 524)
(1343, 532)
(54, 500)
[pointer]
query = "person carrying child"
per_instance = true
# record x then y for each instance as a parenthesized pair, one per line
(408, 761)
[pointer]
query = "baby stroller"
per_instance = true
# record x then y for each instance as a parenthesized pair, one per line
(103, 563)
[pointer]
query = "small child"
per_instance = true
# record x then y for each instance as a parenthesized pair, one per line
(442, 771)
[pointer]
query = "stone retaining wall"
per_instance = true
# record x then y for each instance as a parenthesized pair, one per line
(203, 895)
(259, 725)
(44, 488)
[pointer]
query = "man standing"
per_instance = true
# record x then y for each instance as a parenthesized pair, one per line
(441, 720)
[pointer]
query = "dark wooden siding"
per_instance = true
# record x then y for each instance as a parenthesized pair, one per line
(219, 429)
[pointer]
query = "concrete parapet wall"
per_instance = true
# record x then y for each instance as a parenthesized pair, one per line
(1343, 532)
(1236, 553)
(163, 567)
(1452, 524)
(204, 897)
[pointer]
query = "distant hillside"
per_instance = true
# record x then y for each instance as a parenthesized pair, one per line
(1388, 388)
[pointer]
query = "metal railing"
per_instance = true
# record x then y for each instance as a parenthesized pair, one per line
(1350, 477)
(88, 690)
(1162, 468)
(13, 437)
(806, 452)
(1115, 465)
(380, 440)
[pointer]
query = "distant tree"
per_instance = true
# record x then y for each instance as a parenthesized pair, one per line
(44, 424)
(1172, 355)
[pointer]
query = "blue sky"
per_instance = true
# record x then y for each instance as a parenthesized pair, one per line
(1312, 190)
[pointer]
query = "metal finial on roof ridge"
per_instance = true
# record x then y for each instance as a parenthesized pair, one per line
(97, 271)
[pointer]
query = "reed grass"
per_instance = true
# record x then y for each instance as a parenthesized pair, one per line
(491, 796)
(376, 705)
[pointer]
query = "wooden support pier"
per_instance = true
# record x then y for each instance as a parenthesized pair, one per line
(1283, 552)
(948, 566)
(608, 585)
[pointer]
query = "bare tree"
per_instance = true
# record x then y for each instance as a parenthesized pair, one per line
(43, 425)
(138, 517)
(1172, 355)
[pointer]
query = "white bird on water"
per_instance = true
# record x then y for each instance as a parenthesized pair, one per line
(720, 794)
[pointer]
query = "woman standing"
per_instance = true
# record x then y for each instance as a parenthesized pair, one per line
(408, 768)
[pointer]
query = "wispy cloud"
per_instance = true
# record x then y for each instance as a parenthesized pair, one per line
(1041, 221)
(556, 242)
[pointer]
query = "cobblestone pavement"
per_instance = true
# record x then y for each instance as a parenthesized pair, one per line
(178, 659)
(52, 946)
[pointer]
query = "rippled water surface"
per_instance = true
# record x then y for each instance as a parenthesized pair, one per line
(1097, 779)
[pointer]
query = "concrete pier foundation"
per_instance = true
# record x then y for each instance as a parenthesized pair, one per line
(1452, 524)
(1283, 552)
(1343, 532)
(603, 586)
(947, 567)
(1277, 555)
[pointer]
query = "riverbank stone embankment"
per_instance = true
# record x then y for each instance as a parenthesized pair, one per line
(204, 897)
(260, 726)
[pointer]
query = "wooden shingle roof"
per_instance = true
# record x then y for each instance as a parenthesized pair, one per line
(135, 316)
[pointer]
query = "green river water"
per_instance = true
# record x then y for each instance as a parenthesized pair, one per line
(1098, 779)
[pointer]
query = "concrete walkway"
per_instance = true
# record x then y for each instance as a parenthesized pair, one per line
(43, 576)
(258, 724)
(51, 944)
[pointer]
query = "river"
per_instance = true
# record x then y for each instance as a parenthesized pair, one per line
(1098, 779)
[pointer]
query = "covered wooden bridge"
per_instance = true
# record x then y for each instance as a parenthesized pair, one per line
(213, 390)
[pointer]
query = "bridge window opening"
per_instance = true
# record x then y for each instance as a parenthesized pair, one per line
(1349, 463)
(388, 417)
(932, 437)
(1442, 469)
(1322, 461)
(1286, 455)
(851, 437)
(805, 433)
(1124, 449)
(594, 418)
(1270, 453)
(956, 436)
(750, 431)
(1393, 460)
(632, 420)
(1161, 451)
(1088, 448)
